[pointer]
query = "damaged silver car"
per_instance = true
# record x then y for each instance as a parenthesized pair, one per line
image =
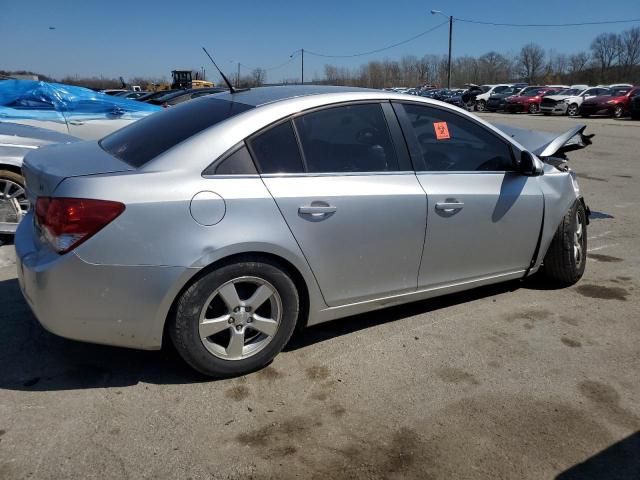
(226, 222)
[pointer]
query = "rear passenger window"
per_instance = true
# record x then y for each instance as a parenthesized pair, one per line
(276, 150)
(238, 163)
(353, 138)
(450, 142)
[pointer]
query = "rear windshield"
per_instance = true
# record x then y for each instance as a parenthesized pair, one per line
(142, 141)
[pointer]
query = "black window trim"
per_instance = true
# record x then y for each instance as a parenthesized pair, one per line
(414, 148)
(402, 152)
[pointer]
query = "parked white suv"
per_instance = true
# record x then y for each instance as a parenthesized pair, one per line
(481, 100)
(568, 101)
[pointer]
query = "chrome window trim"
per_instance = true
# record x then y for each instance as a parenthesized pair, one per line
(338, 174)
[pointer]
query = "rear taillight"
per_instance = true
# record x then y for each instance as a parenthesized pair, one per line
(67, 222)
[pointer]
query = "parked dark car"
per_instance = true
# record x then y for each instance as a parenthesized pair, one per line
(528, 100)
(179, 96)
(616, 103)
(635, 107)
(497, 100)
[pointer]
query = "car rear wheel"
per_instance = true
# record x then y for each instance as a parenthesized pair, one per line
(566, 258)
(534, 108)
(235, 319)
(618, 112)
(14, 203)
(572, 110)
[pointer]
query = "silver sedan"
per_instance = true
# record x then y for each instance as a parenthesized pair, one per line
(228, 221)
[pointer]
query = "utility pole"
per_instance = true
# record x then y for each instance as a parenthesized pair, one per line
(302, 64)
(450, 17)
(450, 38)
(238, 77)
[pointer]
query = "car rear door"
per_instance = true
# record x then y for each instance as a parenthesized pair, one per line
(483, 218)
(343, 181)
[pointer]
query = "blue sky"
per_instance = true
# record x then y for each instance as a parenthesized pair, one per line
(101, 38)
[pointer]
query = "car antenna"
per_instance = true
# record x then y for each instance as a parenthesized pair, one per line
(226, 80)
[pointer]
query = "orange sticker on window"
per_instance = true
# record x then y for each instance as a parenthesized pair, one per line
(442, 130)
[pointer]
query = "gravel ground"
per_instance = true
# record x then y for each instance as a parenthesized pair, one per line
(511, 381)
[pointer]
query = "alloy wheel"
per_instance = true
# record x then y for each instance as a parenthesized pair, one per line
(14, 203)
(572, 110)
(240, 318)
(618, 111)
(578, 240)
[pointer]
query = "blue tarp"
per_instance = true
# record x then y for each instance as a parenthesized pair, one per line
(27, 99)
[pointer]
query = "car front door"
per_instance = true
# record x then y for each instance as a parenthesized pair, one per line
(343, 181)
(483, 217)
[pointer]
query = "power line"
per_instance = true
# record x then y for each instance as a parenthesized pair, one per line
(270, 68)
(578, 24)
(377, 50)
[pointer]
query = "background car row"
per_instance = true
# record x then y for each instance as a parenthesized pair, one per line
(617, 100)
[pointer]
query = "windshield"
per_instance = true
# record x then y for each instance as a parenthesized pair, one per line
(142, 141)
(533, 92)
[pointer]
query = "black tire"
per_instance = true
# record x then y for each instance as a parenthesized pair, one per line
(184, 326)
(560, 263)
(534, 108)
(572, 110)
(481, 106)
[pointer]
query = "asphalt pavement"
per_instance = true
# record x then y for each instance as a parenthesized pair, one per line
(511, 381)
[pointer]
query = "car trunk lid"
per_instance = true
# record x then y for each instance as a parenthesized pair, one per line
(44, 169)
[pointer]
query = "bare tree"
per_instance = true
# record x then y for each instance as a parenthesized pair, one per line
(630, 49)
(605, 49)
(258, 76)
(494, 67)
(531, 61)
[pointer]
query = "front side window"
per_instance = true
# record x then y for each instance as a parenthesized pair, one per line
(350, 138)
(449, 142)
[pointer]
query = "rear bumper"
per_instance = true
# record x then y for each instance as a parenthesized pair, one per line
(113, 305)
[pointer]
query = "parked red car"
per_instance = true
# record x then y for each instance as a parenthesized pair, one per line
(529, 100)
(616, 103)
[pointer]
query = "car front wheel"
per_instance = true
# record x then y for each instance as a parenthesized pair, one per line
(572, 110)
(235, 319)
(566, 258)
(481, 106)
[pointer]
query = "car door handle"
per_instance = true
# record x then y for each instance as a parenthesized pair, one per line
(316, 210)
(449, 206)
(75, 122)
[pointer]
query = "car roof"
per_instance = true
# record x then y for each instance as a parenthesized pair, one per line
(264, 95)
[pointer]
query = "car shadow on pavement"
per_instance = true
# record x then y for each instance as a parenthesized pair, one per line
(620, 461)
(345, 326)
(33, 359)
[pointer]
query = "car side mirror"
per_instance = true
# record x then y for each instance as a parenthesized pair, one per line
(528, 165)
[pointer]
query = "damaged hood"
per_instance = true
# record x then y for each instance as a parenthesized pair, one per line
(547, 144)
